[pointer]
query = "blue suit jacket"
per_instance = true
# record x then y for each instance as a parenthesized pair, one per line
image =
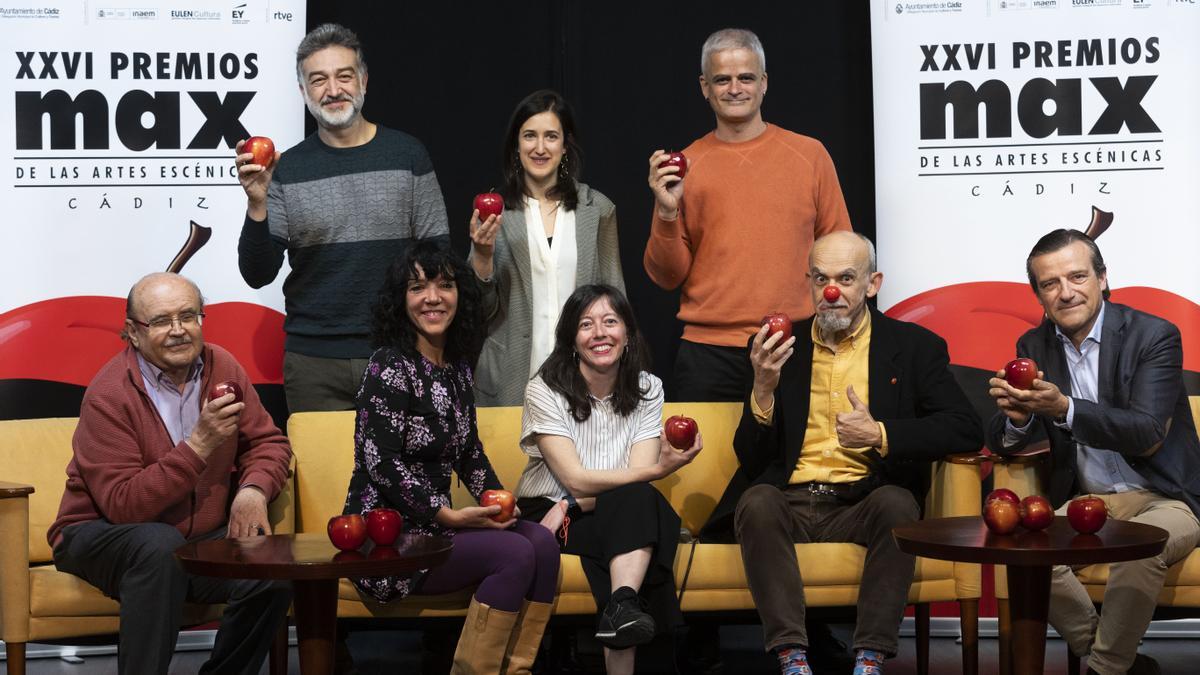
(1143, 412)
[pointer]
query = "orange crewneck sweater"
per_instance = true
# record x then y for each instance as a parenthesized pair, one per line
(739, 246)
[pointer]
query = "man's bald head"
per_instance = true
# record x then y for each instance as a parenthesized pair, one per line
(846, 261)
(139, 288)
(844, 245)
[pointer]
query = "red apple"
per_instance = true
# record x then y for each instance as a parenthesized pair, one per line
(831, 293)
(347, 531)
(1087, 514)
(778, 323)
(1003, 493)
(502, 498)
(681, 432)
(1036, 513)
(676, 159)
(262, 148)
(489, 204)
(383, 525)
(1001, 516)
(1020, 373)
(227, 387)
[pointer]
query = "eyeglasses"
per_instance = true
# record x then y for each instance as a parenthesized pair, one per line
(159, 324)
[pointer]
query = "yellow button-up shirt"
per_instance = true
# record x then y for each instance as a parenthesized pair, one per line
(834, 368)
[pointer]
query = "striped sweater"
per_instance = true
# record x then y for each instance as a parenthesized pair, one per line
(341, 215)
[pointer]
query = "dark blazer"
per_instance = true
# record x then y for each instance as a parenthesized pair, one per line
(1143, 411)
(912, 392)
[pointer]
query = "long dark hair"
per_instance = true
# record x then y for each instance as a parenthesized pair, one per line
(569, 169)
(390, 325)
(561, 369)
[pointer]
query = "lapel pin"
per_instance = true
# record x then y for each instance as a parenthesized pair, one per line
(893, 380)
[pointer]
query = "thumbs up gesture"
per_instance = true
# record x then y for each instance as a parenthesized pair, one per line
(857, 429)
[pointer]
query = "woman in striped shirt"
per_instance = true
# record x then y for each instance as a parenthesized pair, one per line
(592, 428)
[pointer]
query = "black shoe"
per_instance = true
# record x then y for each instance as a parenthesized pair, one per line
(624, 622)
(826, 653)
(1142, 665)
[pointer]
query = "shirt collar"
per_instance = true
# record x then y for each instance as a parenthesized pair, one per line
(1093, 335)
(153, 373)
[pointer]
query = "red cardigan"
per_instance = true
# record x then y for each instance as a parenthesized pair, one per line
(125, 468)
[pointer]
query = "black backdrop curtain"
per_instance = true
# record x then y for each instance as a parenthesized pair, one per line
(450, 73)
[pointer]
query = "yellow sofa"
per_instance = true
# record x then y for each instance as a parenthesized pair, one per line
(323, 446)
(1029, 474)
(38, 603)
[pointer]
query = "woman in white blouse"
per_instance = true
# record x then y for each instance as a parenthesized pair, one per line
(592, 428)
(555, 235)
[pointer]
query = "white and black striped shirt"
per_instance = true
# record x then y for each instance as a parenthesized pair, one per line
(603, 441)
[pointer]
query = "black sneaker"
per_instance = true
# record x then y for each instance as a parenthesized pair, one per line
(624, 622)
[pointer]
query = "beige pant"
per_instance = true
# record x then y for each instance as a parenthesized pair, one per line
(1129, 599)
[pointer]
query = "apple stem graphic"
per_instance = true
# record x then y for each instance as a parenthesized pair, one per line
(1101, 221)
(198, 236)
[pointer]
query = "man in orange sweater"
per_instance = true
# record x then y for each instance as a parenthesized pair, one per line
(754, 199)
(157, 464)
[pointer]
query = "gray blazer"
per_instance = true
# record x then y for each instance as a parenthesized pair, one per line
(1143, 412)
(503, 369)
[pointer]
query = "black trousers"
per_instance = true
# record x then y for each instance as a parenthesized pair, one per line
(711, 373)
(135, 564)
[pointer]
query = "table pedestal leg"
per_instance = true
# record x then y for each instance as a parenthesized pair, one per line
(1029, 602)
(315, 601)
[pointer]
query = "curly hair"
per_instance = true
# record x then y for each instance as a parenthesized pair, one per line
(561, 371)
(571, 166)
(390, 324)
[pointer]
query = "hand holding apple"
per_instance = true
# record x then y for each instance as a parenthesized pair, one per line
(489, 204)
(224, 388)
(681, 431)
(502, 498)
(768, 353)
(384, 525)
(255, 163)
(778, 322)
(1020, 373)
(666, 186)
(347, 531)
(677, 160)
(1087, 514)
(217, 424)
(261, 149)
(670, 459)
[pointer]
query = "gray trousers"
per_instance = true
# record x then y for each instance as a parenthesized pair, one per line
(135, 564)
(769, 522)
(312, 383)
(1110, 639)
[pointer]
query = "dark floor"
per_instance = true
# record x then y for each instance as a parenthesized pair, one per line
(391, 652)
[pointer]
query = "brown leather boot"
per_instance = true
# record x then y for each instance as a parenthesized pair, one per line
(526, 638)
(484, 640)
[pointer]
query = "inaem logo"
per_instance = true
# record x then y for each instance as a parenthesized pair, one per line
(899, 8)
(238, 14)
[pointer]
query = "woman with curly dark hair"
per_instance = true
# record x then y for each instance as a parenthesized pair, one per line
(416, 423)
(592, 428)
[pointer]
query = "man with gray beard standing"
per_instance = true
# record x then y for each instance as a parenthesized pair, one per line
(834, 445)
(342, 203)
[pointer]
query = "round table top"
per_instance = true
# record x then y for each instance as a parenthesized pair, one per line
(309, 556)
(967, 539)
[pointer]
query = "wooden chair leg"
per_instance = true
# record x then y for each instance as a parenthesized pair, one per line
(968, 613)
(1072, 663)
(1004, 628)
(15, 654)
(921, 615)
(279, 651)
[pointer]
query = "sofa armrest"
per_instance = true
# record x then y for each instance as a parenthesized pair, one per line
(1025, 473)
(955, 487)
(281, 512)
(14, 561)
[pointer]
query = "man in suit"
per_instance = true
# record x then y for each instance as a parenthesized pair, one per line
(1110, 400)
(834, 444)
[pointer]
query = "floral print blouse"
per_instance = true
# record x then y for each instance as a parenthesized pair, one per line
(415, 424)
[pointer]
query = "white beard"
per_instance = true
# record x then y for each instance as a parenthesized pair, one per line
(335, 120)
(830, 323)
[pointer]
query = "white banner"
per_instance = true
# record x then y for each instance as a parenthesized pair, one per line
(116, 136)
(997, 121)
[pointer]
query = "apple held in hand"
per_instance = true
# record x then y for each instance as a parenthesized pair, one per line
(489, 204)
(262, 148)
(831, 293)
(1003, 493)
(1001, 516)
(227, 387)
(1020, 373)
(681, 432)
(383, 526)
(1036, 513)
(676, 159)
(778, 323)
(1087, 514)
(502, 498)
(348, 531)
